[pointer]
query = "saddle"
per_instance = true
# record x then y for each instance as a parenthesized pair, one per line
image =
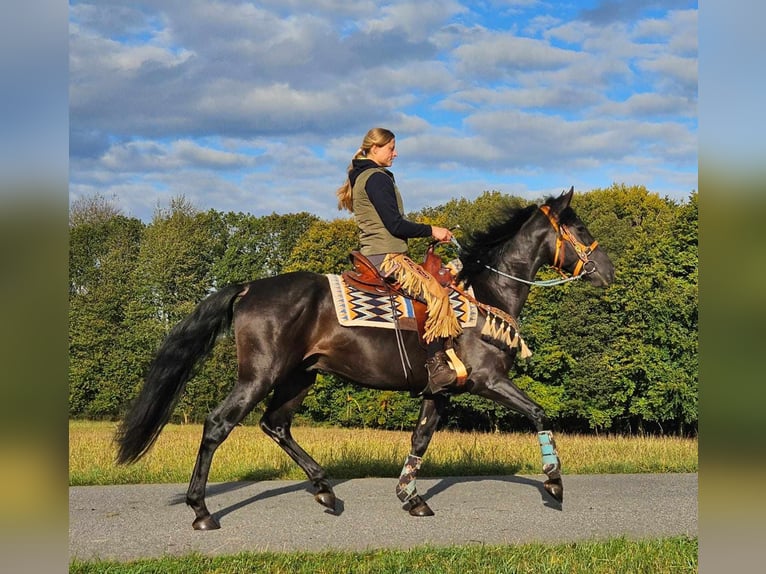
(365, 277)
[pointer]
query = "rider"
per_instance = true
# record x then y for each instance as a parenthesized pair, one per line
(372, 195)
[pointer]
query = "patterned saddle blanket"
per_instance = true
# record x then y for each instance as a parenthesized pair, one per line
(355, 308)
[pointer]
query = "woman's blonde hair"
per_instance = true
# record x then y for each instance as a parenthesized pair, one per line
(376, 136)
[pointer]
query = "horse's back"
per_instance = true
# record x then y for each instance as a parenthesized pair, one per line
(294, 288)
(291, 301)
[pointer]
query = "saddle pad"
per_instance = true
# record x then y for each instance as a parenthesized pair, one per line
(356, 308)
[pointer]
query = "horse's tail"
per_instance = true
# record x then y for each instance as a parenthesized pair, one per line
(187, 344)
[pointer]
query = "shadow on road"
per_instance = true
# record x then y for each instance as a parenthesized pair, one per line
(224, 487)
(445, 483)
(440, 486)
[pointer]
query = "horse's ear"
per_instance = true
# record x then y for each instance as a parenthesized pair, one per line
(561, 202)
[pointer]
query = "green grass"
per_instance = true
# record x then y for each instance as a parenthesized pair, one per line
(358, 453)
(669, 555)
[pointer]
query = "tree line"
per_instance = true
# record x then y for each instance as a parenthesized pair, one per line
(620, 360)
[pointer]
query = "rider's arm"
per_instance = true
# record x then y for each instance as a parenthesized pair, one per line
(380, 190)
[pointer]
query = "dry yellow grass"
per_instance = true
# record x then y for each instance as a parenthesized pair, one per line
(352, 453)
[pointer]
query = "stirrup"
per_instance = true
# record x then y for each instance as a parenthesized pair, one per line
(462, 370)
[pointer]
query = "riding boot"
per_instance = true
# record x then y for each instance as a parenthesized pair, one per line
(441, 378)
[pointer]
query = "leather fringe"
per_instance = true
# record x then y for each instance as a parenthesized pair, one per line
(500, 328)
(440, 318)
(505, 332)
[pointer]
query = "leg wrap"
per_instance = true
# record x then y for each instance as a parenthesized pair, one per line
(406, 488)
(551, 461)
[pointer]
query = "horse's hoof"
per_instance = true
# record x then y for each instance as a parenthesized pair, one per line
(421, 509)
(555, 488)
(418, 507)
(326, 498)
(206, 523)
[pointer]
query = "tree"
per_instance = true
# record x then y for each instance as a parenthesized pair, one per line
(173, 273)
(92, 210)
(174, 270)
(325, 247)
(335, 401)
(103, 250)
(623, 356)
(259, 247)
(666, 323)
(622, 359)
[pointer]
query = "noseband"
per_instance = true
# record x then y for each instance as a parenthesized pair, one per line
(584, 266)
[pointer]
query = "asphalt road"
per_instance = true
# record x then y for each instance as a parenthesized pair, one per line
(141, 521)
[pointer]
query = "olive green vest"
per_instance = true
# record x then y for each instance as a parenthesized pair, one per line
(374, 238)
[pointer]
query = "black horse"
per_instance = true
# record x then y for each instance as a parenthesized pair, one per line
(286, 331)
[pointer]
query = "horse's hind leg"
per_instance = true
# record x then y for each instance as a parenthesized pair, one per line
(219, 423)
(431, 410)
(276, 422)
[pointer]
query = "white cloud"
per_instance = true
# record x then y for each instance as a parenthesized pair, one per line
(93, 55)
(651, 105)
(445, 148)
(500, 55)
(678, 29)
(415, 18)
(684, 38)
(261, 105)
(563, 97)
(150, 156)
(675, 73)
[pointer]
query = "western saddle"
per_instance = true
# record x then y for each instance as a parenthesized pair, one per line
(365, 277)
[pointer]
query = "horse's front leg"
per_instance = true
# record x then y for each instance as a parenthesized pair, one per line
(551, 465)
(504, 392)
(431, 410)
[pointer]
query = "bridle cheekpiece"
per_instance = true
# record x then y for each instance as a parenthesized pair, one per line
(563, 234)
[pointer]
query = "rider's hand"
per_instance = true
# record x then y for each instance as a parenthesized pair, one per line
(441, 233)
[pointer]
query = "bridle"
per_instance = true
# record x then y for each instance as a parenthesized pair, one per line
(584, 266)
(563, 235)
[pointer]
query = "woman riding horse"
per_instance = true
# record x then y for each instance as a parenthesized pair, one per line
(371, 194)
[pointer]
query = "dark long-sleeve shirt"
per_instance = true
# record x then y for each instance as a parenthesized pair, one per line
(380, 190)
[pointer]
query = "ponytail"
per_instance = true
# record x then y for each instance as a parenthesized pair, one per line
(345, 200)
(344, 197)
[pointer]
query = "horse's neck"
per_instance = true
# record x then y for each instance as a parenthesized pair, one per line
(509, 298)
(506, 294)
(521, 259)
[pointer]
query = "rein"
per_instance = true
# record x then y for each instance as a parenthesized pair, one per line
(403, 355)
(541, 283)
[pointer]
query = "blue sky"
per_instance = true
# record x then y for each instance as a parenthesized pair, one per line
(259, 106)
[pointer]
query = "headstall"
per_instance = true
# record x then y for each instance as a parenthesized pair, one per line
(563, 234)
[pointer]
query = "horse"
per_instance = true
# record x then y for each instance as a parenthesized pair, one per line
(286, 331)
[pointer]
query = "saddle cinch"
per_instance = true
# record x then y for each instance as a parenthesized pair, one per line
(365, 277)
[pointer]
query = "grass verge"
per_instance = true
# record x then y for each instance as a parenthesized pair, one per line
(675, 555)
(358, 453)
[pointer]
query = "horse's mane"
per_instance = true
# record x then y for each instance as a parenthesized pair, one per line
(481, 248)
